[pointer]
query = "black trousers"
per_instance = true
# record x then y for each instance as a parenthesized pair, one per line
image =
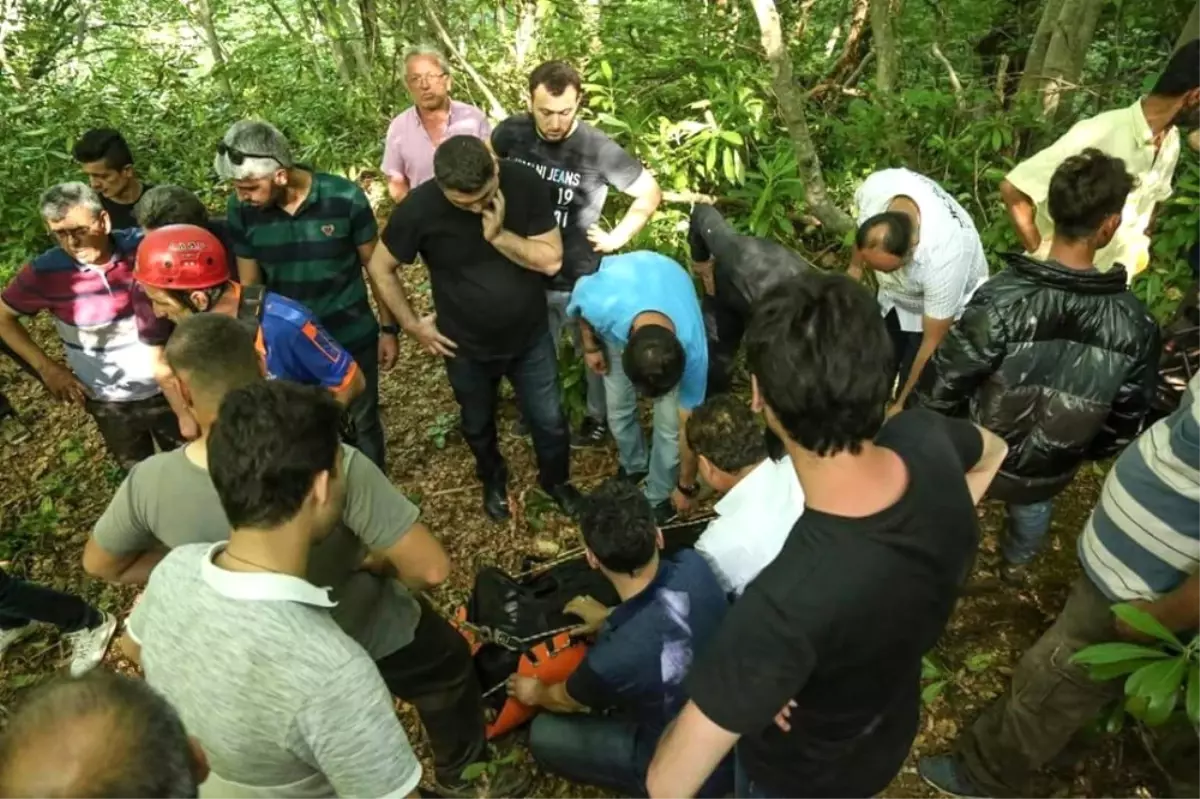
(22, 602)
(437, 675)
(724, 326)
(905, 346)
(534, 377)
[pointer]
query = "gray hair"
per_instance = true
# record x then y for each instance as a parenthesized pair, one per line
(427, 51)
(58, 201)
(169, 205)
(126, 738)
(269, 147)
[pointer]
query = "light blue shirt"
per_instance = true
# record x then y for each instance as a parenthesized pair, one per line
(633, 283)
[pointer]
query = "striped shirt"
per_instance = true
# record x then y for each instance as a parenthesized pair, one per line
(1143, 538)
(311, 256)
(100, 316)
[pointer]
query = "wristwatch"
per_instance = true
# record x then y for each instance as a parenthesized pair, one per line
(389, 330)
(687, 491)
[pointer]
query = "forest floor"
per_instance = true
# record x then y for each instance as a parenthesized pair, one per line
(54, 486)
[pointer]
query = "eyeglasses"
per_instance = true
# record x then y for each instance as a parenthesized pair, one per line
(238, 157)
(424, 80)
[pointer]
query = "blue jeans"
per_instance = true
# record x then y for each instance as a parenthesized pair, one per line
(364, 409)
(590, 749)
(662, 462)
(743, 786)
(534, 378)
(1027, 528)
(556, 306)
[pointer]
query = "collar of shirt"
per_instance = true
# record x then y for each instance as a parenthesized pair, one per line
(762, 489)
(1142, 134)
(632, 606)
(260, 586)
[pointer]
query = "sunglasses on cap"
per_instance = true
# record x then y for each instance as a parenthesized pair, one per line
(238, 157)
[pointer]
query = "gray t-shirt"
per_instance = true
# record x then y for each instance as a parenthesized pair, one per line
(284, 703)
(166, 500)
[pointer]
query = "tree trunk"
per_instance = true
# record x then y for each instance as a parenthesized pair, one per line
(496, 108)
(368, 11)
(202, 13)
(1068, 48)
(887, 56)
(526, 35)
(791, 106)
(1036, 60)
(1191, 28)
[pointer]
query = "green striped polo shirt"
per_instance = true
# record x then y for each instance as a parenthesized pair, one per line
(311, 256)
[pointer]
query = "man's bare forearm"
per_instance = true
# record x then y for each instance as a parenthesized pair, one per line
(980, 476)
(18, 339)
(1023, 212)
(382, 270)
(637, 216)
(385, 314)
(1179, 611)
(138, 572)
(537, 256)
(688, 462)
(591, 342)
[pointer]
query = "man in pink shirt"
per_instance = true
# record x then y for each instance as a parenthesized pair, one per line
(434, 117)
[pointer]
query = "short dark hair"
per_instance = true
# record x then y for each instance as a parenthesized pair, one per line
(271, 440)
(725, 430)
(618, 526)
(127, 739)
(822, 358)
(103, 144)
(463, 163)
(1085, 190)
(556, 76)
(216, 352)
(1181, 74)
(169, 205)
(653, 360)
(890, 231)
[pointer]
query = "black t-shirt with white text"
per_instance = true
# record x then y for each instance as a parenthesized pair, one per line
(580, 168)
(488, 305)
(839, 622)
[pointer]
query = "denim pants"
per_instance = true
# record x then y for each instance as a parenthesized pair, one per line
(590, 749)
(1027, 528)
(22, 602)
(662, 461)
(364, 409)
(436, 674)
(556, 306)
(534, 377)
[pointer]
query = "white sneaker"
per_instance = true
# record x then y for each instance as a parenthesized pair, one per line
(13, 634)
(88, 646)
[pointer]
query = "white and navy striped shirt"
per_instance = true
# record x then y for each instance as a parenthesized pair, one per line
(1143, 538)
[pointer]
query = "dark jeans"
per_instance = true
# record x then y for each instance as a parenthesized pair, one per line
(534, 377)
(590, 749)
(132, 429)
(744, 787)
(905, 346)
(22, 602)
(724, 325)
(364, 410)
(1050, 700)
(436, 674)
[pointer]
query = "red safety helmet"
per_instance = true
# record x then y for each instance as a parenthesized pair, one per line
(181, 257)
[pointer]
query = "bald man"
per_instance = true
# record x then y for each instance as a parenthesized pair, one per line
(98, 735)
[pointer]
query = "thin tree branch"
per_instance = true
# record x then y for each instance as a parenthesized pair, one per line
(497, 109)
(955, 83)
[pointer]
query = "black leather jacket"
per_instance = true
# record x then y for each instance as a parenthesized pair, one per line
(1059, 363)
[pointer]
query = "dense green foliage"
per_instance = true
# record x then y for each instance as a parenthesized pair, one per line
(682, 82)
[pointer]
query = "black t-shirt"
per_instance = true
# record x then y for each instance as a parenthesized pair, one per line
(121, 214)
(839, 622)
(745, 266)
(580, 168)
(488, 305)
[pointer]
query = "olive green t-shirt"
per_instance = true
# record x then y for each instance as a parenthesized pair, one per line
(166, 500)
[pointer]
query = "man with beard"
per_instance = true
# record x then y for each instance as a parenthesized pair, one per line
(308, 235)
(579, 163)
(433, 117)
(1144, 135)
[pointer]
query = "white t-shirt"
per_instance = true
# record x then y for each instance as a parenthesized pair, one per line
(948, 264)
(753, 523)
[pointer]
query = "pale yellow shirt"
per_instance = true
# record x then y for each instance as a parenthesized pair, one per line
(1122, 133)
